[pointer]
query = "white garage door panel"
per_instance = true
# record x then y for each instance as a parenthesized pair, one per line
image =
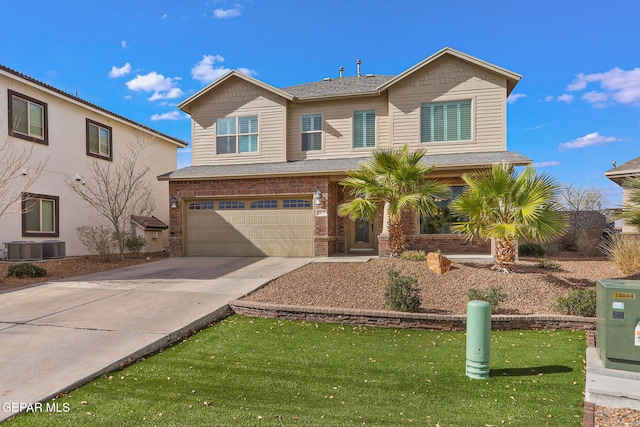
(249, 232)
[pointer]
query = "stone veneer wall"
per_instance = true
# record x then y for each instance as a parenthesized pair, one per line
(394, 319)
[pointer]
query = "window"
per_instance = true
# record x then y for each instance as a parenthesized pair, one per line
(230, 204)
(445, 121)
(296, 203)
(440, 222)
(264, 204)
(237, 135)
(28, 118)
(40, 215)
(201, 205)
(311, 132)
(364, 129)
(99, 143)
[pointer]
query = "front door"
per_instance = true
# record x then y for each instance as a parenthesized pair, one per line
(361, 236)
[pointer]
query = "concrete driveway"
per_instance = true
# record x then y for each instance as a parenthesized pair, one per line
(59, 335)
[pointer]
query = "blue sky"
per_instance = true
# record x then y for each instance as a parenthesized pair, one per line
(575, 111)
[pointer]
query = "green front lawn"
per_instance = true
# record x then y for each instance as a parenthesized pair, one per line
(249, 371)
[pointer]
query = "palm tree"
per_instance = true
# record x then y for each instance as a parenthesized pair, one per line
(631, 209)
(395, 180)
(501, 205)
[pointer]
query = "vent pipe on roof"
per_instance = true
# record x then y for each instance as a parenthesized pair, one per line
(358, 62)
(341, 72)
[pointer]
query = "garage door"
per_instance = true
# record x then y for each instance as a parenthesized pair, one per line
(249, 227)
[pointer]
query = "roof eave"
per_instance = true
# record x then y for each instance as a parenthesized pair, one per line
(335, 97)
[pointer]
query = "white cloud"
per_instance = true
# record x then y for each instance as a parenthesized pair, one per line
(549, 98)
(171, 115)
(164, 16)
(119, 72)
(161, 86)
(514, 97)
(594, 96)
(565, 97)
(152, 82)
(589, 140)
(124, 44)
(550, 163)
(171, 94)
(619, 85)
(206, 71)
(228, 13)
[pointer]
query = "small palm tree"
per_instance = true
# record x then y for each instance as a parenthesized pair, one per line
(395, 180)
(501, 205)
(631, 209)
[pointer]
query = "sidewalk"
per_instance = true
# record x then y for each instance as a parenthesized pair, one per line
(59, 335)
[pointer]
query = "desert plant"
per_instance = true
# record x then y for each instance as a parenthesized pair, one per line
(26, 269)
(395, 181)
(499, 204)
(135, 243)
(492, 295)
(97, 239)
(414, 255)
(530, 249)
(580, 302)
(401, 293)
(549, 265)
(625, 253)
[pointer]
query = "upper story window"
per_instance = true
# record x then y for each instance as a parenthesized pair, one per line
(445, 121)
(364, 129)
(28, 118)
(237, 135)
(311, 132)
(40, 215)
(99, 142)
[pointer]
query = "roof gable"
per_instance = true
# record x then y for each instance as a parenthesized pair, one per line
(512, 78)
(187, 103)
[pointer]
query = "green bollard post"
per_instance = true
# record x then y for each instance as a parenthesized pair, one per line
(478, 339)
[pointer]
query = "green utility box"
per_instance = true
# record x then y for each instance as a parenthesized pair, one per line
(618, 323)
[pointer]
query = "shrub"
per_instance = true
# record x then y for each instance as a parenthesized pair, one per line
(552, 265)
(625, 253)
(418, 255)
(98, 239)
(135, 243)
(530, 249)
(581, 302)
(401, 293)
(492, 295)
(26, 269)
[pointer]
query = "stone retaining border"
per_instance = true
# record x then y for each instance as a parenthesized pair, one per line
(395, 319)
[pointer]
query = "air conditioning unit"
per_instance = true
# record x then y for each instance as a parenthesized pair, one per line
(53, 249)
(24, 251)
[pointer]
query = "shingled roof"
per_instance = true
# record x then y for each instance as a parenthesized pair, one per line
(150, 223)
(340, 86)
(338, 166)
(625, 170)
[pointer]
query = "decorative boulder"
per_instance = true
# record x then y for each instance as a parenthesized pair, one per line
(438, 263)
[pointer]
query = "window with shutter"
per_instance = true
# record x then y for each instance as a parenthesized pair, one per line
(311, 135)
(445, 121)
(237, 135)
(364, 129)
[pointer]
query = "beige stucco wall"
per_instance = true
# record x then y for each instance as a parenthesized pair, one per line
(450, 79)
(235, 98)
(66, 155)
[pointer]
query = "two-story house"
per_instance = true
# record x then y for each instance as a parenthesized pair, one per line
(267, 162)
(68, 134)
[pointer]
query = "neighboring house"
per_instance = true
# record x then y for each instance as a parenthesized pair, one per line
(70, 133)
(267, 162)
(618, 175)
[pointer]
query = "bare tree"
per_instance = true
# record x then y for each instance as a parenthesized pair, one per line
(578, 199)
(17, 175)
(118, 189)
